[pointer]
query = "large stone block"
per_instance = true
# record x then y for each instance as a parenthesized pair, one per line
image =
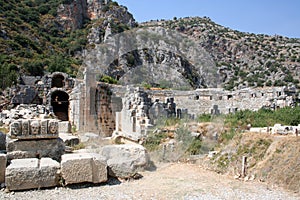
(124, 161)
(31, 173)
(52, 148)
(2, 167)
(83, 167)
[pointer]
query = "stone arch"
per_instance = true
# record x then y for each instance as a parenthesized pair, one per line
(58, 80)
(60, 104)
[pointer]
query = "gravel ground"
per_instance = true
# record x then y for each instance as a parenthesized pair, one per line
(169, 181)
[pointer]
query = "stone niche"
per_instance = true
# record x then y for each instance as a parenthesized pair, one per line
(34, 129)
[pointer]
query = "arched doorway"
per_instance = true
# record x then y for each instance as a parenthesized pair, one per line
(58, 81)
(60, 104)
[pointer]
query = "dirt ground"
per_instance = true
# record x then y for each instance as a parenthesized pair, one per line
(168, 181)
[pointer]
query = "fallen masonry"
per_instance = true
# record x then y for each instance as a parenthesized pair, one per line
(30, 173)
(83, 167)
(36, 158)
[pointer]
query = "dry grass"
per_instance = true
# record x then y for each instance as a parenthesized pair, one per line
(274, 159)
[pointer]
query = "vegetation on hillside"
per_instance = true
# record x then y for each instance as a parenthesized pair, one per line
(244, 59)
(269, 158)
(32, 42)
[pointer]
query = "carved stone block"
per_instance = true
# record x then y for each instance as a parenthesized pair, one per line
(33, 129)
(16, 129)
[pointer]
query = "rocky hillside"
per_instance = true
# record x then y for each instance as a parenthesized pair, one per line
(39, 36)
(243, 59)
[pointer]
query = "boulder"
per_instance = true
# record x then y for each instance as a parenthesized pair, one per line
(2, 167)
(2, 141)
(31, 173)
(124, 161)
(83, 167)
(52, 148)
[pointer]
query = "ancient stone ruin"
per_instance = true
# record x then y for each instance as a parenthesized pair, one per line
(36, 158)
(43, 109)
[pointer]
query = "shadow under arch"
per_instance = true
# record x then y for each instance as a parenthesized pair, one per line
(58, 80)
(60, 104)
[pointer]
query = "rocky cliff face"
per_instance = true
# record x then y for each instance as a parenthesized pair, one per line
(243, 59)
(73, 14)
(155, 56)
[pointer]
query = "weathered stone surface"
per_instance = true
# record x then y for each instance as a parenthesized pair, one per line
(83, 167)
(2, 167)
(64, 127)
(2, 141)
(69, 140)
(32, 173)
(124, 161)
(52, 148)
(33, 129)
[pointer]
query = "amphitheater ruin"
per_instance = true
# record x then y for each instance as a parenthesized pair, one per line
(59, 104)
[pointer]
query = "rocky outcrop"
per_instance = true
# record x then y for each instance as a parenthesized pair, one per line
(243, 59)
(73, 14)
(153, 55)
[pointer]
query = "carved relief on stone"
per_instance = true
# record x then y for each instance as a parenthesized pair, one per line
(15, 129)
(44, 127)
(35, 127)
(53, 127)
(25, 127)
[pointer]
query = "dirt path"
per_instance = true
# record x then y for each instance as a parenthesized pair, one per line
(170, 181)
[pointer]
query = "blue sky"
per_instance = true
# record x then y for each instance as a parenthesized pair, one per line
(281, 17)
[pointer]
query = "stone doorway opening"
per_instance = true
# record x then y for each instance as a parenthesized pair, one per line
(60, 105)
(58, 81)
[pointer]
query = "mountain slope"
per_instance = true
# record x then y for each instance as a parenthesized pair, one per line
(243, 59)
(40, 36)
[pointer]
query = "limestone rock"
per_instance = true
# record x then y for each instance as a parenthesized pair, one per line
(124, 161)
(64, 127)
(83, 167)
(69, 140)
(2, 141)
(33, 129)
(2, 167)
(32, 173)
(52, 148)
